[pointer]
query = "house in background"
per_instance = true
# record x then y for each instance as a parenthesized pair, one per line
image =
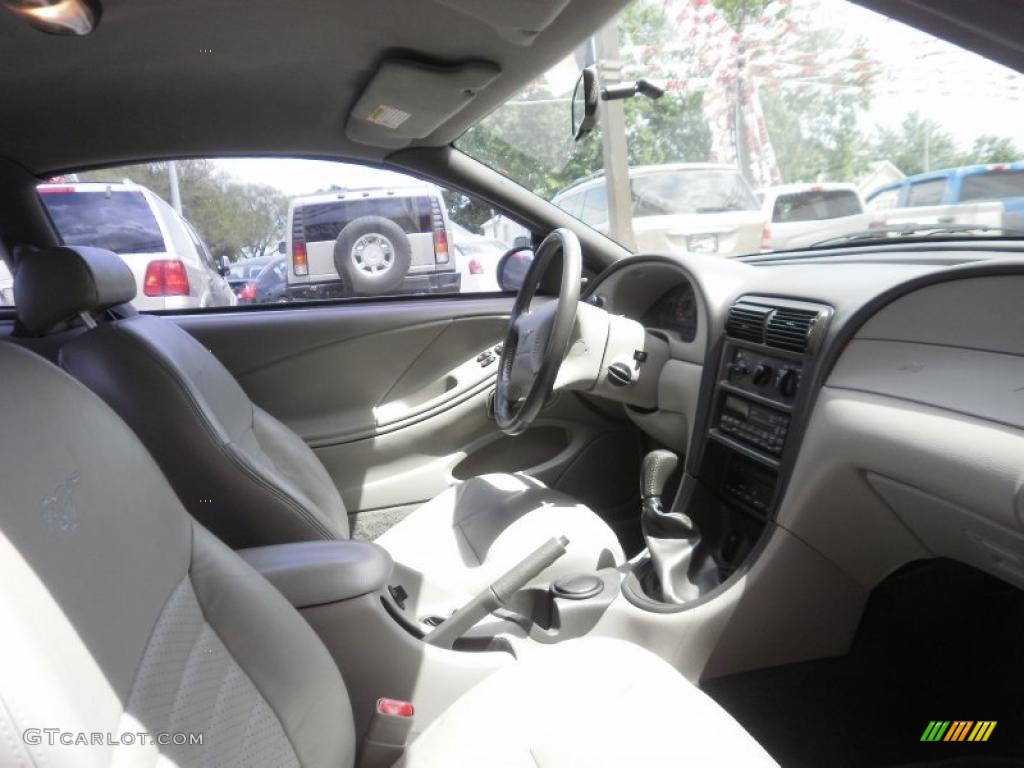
(882, 172)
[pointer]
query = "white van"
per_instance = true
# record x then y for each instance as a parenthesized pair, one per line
(370, 242)
(172, 266)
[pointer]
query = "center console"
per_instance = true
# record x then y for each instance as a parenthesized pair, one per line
(734, 477)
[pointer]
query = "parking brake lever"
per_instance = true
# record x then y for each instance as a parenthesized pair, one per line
(495, 596)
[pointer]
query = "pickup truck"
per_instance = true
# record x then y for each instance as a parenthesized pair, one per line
(976, 195)
(798, 212)
(1001, 183)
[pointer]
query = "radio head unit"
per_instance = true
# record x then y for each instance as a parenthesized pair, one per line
(752, 423)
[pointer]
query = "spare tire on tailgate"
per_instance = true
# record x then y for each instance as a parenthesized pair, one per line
(372, 255)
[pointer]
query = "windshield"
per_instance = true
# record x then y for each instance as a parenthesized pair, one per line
(778, 101)
(815, 205)
(247, 270)
(664, 194)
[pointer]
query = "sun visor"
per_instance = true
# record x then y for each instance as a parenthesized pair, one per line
(407, 100)
(518, 21)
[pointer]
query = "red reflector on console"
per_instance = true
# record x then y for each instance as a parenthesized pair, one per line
(394, 708)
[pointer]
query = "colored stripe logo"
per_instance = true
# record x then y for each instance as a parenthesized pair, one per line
(958, 730)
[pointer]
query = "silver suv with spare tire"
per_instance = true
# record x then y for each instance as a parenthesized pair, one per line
(370, 242)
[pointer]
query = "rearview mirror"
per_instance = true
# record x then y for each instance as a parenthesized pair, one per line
(584, 103)
(513, 266)
(281, 248)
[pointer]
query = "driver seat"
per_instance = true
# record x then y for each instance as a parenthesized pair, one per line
(253, 481)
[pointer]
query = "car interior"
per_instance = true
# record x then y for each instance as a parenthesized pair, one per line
(648, 509)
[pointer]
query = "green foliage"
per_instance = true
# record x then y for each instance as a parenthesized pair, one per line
(992, 149)
(235, 220)
(739, 11)
(917, 142)
(921, 144)
(529, 139)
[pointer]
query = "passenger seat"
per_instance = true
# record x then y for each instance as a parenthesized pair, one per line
(121, 615)
(253, 481)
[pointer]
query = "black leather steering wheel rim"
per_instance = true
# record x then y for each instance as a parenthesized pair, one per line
(537, 342)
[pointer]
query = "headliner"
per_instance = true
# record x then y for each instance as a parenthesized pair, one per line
(280, 80)
(282, 77)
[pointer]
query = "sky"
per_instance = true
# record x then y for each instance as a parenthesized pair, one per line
(965, 93)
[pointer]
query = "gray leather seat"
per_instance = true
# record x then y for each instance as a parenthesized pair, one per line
(249, 478)
(121, 615)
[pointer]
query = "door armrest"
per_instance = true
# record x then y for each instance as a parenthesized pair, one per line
(316, 572)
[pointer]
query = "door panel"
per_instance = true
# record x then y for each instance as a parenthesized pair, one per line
(392, 398)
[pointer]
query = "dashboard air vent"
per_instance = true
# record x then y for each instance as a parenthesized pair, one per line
(746, 321)
(790, 328)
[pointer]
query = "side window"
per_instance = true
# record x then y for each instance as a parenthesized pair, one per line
(884, 200)
(288, 231)
(927, 192)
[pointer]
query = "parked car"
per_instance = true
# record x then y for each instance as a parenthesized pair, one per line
(824, 210)
(998, 187)
(244, 271)
(172, 266)
(369, 242)
(680, 208)
(477, 259)
(269, 286)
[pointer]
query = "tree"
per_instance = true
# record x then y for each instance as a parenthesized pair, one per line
(919, 144)
(991, 149)
(529, 140)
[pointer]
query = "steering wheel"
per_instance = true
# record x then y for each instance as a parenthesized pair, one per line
(537, 341)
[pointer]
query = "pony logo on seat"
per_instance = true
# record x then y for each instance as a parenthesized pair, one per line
(59, 510)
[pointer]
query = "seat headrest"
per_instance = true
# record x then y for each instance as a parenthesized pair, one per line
(54, 285)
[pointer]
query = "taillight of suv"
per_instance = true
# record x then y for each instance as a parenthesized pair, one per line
(300, 261)
(440, 234)
(166, 277)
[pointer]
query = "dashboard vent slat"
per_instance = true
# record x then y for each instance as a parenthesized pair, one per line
(746, 321)
(790, 328)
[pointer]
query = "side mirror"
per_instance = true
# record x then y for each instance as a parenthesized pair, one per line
(224, 266)
(584, 103)
(513, 266)
(281, 248)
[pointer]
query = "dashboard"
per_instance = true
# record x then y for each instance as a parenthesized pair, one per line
(895, 435)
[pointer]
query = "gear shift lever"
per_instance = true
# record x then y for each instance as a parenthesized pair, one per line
(672, 537)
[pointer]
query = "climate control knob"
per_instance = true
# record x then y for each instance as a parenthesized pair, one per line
(762, 374)
(788, 382)
(738, 368)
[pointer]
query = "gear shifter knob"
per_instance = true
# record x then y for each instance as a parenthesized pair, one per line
(657, 468)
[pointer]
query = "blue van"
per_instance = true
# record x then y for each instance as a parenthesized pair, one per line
(1002, 182)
